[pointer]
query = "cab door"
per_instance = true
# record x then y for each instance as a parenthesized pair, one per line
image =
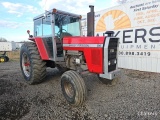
(47, 35)
(57, 42)
(43, 29)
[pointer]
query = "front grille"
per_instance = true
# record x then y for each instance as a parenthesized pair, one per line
(112, 54)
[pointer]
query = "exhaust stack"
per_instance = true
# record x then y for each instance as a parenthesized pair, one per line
(90, 21)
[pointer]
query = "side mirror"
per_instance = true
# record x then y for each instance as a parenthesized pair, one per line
(28, 31)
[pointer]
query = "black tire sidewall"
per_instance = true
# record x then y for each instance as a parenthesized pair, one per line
(25, 50)
(7, 58)
(67, 78)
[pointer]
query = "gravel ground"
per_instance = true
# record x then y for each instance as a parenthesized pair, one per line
(135, 97)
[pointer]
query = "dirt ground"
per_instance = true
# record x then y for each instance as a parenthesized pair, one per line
(136, 96)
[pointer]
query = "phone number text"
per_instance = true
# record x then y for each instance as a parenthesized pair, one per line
(135, 53)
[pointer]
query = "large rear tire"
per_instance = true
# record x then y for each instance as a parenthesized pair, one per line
(32, 66)
(73, 88)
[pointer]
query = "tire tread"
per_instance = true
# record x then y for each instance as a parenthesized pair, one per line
(79, 86)
(38, 65)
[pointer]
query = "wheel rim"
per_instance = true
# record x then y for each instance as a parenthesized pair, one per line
(2, 60)
(68, 87)
(26, 64)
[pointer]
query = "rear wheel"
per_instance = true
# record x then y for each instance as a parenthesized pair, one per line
(32, 66)
(73, 88)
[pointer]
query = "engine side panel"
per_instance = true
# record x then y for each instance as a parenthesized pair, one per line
(94, 59)
(92, 48)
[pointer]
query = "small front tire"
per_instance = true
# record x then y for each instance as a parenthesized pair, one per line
(73, 88)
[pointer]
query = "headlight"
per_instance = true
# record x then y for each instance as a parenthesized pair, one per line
(111, 50)
(109, 63)
(115, 61)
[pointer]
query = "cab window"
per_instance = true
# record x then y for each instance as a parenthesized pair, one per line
(42, 26)
(38, 27)
(46, 24)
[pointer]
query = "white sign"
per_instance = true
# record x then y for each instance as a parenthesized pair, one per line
(137, 24)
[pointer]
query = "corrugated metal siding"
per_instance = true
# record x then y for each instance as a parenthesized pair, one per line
(139, 63)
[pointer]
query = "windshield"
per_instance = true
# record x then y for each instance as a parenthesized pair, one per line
(67, 25)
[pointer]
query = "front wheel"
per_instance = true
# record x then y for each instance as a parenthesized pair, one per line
(73, 88)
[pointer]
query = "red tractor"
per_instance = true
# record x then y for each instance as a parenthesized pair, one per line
(57, 42)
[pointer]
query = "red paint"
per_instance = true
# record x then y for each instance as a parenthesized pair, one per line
(93, 56)
(41, 48)
(94, 61)
(26, 64)
(83, 40)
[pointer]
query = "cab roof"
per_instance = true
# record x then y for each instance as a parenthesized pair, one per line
(56, 11)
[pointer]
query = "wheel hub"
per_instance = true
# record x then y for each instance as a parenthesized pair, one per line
(69, 89)
(26, 64)
(2, 60)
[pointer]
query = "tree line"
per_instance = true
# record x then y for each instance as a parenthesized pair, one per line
(3, 39)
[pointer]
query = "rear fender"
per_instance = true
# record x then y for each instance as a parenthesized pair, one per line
(41, 48)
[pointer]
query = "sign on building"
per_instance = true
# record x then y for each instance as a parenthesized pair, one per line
(137, 24)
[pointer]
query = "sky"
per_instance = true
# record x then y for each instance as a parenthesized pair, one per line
(16, 16)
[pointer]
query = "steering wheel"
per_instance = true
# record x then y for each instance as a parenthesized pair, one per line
(59, 34)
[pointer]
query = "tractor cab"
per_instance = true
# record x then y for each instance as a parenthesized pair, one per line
(52, 27)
